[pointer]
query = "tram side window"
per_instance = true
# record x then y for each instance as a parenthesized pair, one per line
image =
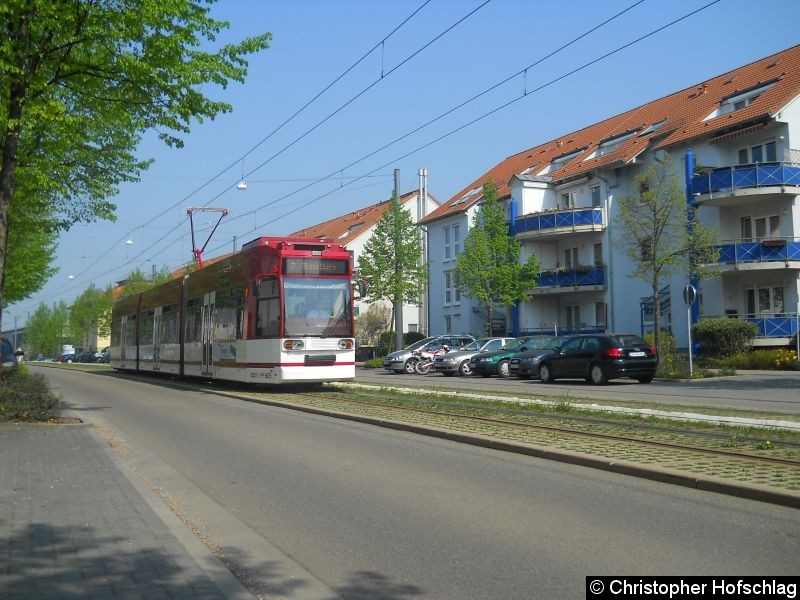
(146, 328)
(116, 331)
(229, 314)
(169, 324)
(194, 319)
(130, 330)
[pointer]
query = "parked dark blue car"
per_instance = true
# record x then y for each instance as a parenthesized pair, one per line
(7, 356)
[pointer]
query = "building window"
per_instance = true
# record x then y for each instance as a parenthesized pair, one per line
(571, 258)
(739, 101)
(767, 227)
(568, 200)
(596, 201)
(600, 314)
(761, 153)
(413, 327)
(448, 324)
(764, 301)
(456, 240)
(573, 317)
(451, 293)
(760, 228)
(597, 253)
(446, 234)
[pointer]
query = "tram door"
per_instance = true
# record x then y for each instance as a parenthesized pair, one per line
(157, 339)
(207, 334)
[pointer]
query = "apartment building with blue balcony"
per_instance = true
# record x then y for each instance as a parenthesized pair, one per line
(739, 134)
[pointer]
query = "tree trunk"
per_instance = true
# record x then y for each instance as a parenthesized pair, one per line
(656, 316)
(489, 319)
(8, 168)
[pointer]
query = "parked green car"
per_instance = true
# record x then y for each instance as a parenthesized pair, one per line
(496, 362)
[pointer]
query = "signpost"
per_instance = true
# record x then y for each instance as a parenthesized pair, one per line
(689, 297)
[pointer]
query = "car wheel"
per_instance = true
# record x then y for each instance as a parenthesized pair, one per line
(645, 379)
(545, 374)
(411, 366)
(502, 369)
(597, 375)
(463, 368)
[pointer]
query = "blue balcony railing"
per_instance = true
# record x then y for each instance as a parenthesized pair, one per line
(774, 326)
(747, 176)
(572, 277)
(561, 219)
(777, 249)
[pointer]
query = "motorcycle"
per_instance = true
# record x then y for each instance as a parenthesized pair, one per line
(425, 358)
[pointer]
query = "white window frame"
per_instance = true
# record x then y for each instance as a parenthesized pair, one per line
(446, 242)
(571, 258)
(572, 317)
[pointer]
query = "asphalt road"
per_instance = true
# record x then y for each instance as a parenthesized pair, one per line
(777, 393)
(375, 513)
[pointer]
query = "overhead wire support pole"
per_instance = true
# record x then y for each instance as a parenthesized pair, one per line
(198, 252)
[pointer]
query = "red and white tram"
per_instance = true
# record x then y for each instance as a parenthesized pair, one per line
(279, 311)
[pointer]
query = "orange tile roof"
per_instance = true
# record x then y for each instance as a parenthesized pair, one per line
(346, 228)
(682, 114)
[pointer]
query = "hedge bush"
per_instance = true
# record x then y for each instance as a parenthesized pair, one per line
(723, 336)
(26, 397)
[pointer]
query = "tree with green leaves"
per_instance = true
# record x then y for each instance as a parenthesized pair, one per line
(656, 235)
(87, 315)
(391, 264)
(139, 281)
(489, 269)
(46, 330)
(81, 81)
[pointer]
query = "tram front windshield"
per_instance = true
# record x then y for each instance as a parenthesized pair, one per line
(317, 307)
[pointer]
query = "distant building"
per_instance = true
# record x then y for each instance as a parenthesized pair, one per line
(743, 128)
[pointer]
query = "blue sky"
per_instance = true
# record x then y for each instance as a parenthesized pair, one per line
(316, 41)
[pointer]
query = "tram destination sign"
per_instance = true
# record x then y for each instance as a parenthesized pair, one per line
(315, 266)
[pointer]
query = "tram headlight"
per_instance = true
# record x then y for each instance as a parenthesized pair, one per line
(293, 344)
(345, 344)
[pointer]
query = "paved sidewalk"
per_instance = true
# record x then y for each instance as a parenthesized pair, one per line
(75, 523)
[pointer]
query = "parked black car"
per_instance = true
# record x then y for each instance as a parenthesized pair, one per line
(600, 357)
(526, 364)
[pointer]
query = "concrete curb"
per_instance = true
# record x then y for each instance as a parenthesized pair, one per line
(662, 475)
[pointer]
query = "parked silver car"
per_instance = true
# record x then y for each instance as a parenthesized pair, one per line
(403, 361)
(457, 362)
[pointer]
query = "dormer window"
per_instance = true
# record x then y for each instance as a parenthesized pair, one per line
(739, 101)
(653, 127)
(351, 229)
(469, 195)
(560, 162)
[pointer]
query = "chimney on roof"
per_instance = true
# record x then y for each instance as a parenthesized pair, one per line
(702, 89)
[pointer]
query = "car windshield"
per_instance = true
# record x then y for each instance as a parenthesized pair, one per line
(419, 343)
(513, 345)
(476, 345)
(536, 342)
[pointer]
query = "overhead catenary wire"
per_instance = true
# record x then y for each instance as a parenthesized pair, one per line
(428, 123)
(273, 132)
(525, 94)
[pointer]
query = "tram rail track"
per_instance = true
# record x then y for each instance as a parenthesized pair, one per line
(593, 434)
